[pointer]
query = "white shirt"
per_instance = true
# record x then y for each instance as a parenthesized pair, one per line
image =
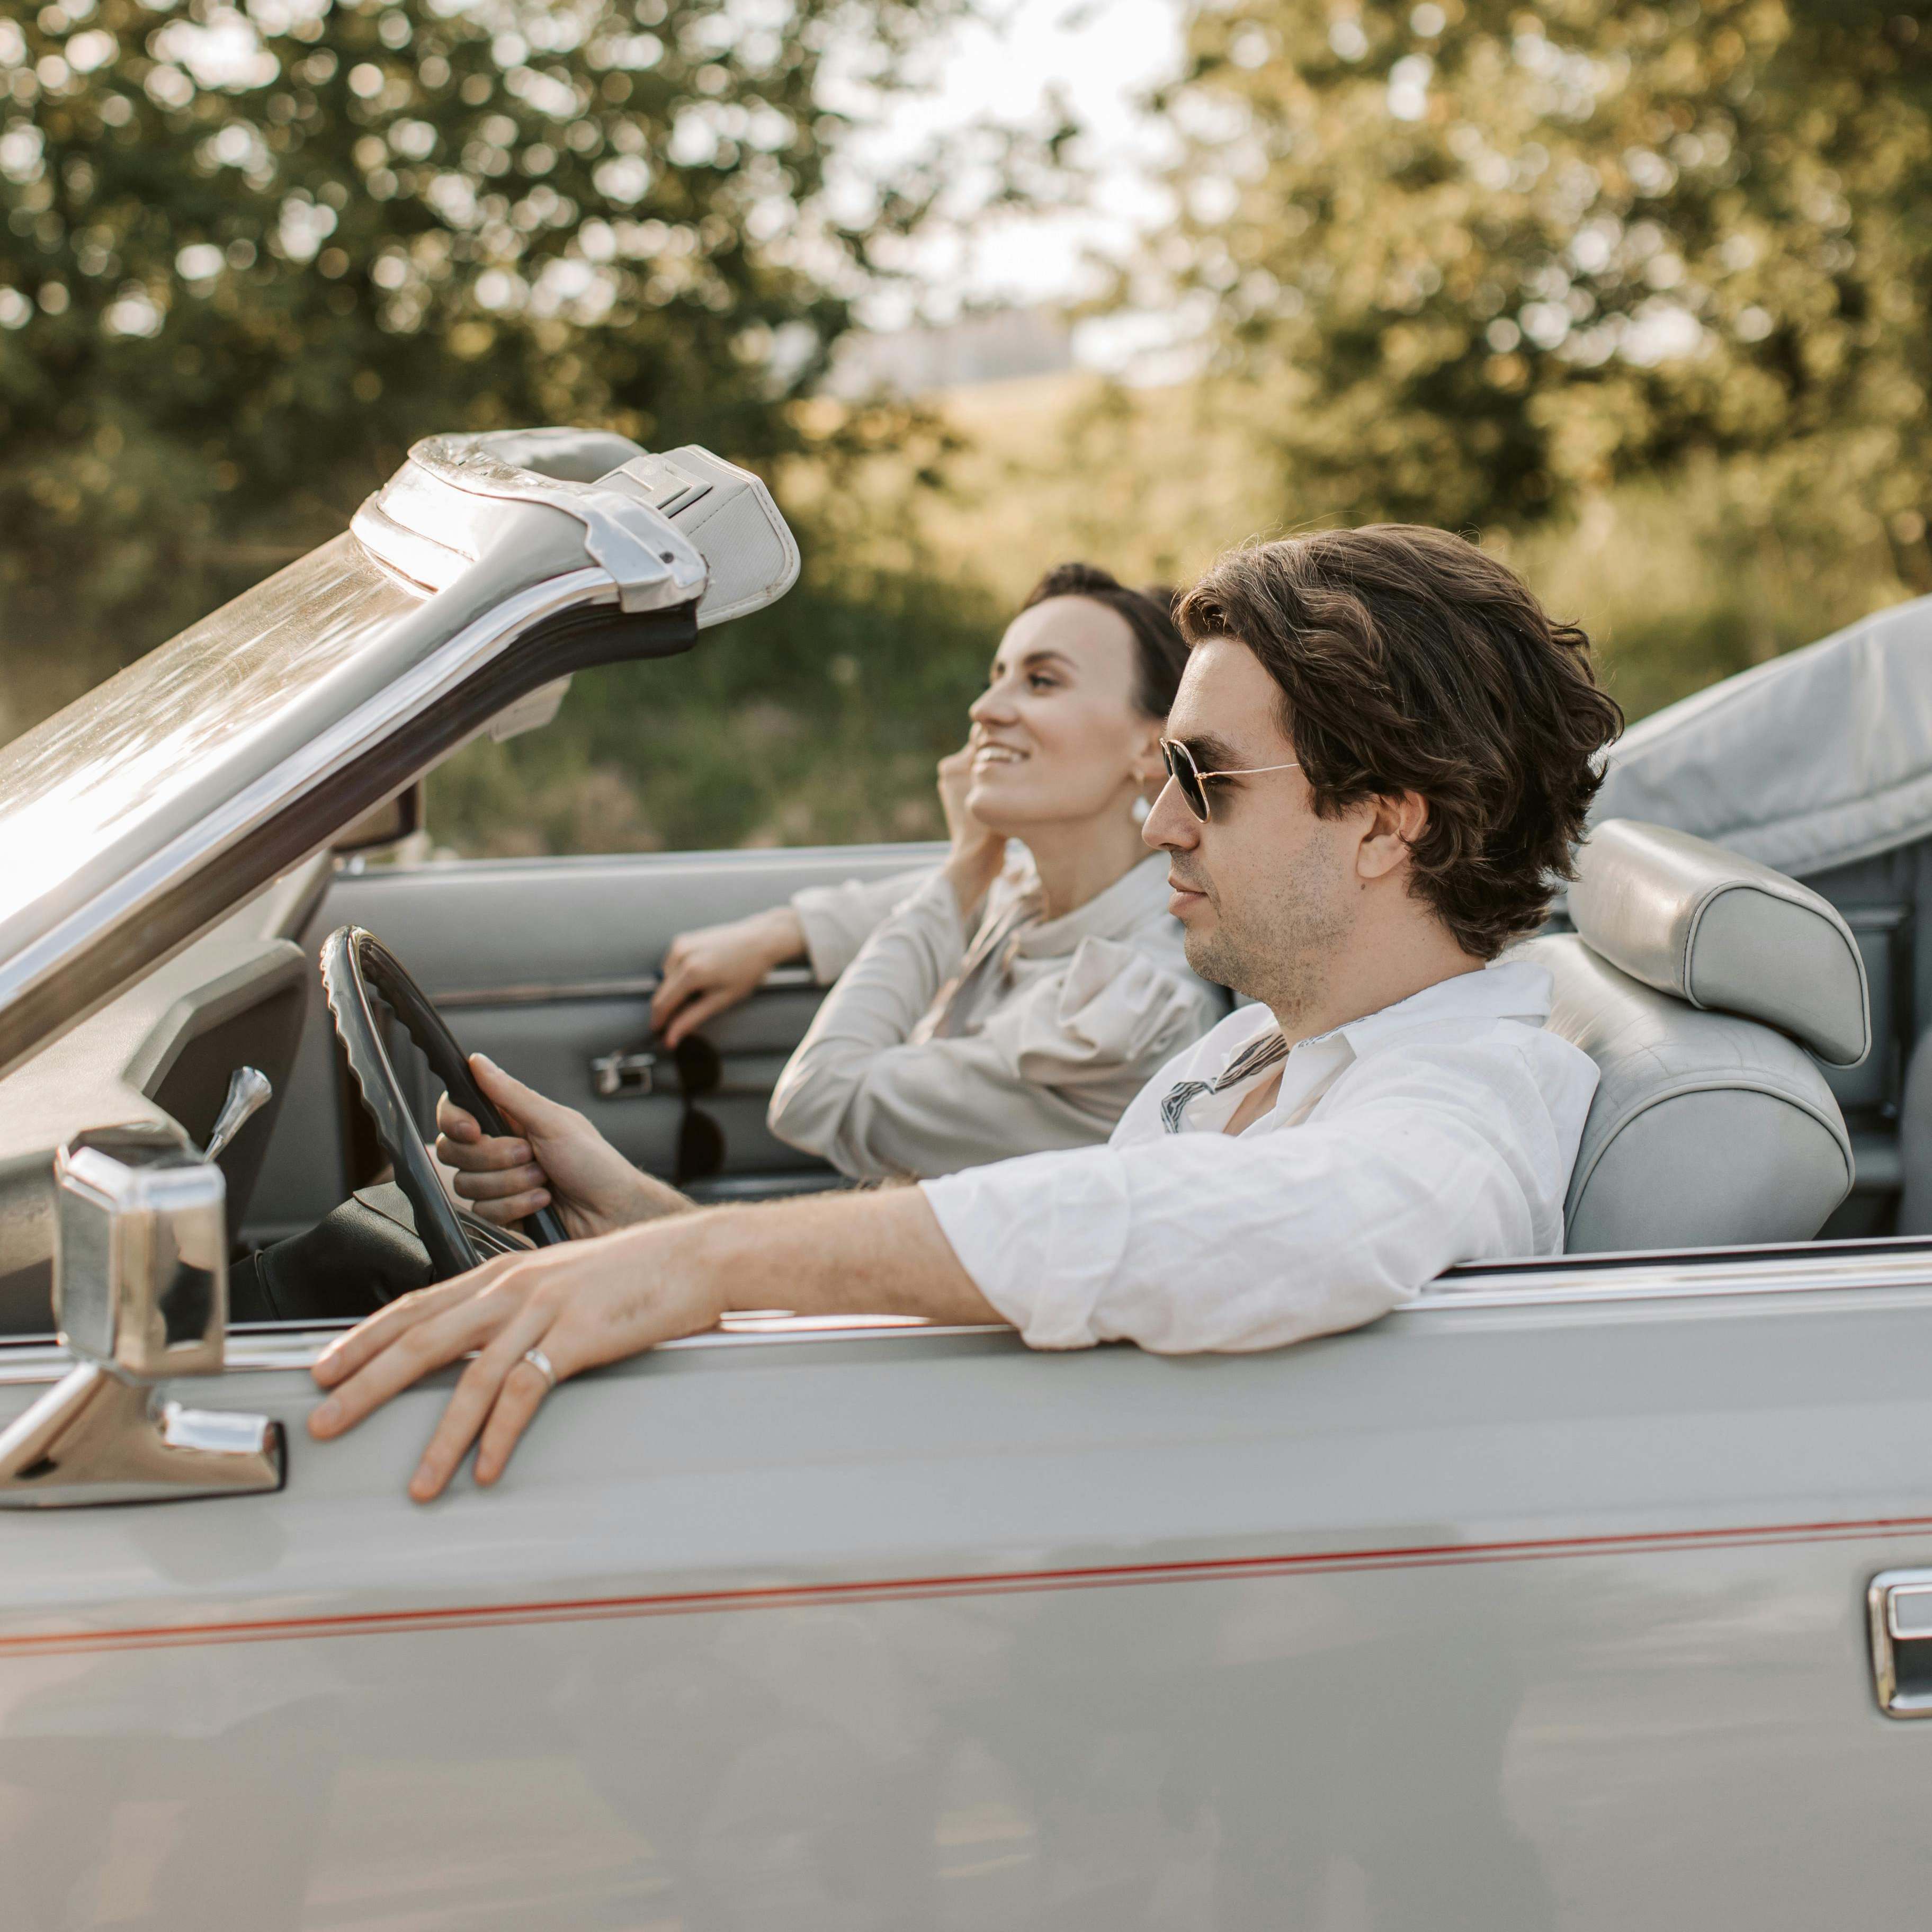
(1441, 1130)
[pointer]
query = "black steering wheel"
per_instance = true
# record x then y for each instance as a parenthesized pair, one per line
(357, 969)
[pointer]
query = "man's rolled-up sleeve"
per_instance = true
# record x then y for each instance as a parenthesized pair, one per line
(1196, 1242)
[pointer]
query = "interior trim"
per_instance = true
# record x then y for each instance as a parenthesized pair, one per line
(638, 986)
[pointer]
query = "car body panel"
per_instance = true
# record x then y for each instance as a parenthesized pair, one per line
(1512, 1616)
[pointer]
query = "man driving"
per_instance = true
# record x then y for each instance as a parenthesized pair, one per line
(1380, 759)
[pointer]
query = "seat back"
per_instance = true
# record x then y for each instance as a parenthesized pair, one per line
(1696, 980)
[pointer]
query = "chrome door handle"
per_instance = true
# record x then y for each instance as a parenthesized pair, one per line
(614, 1075)
(1899, 1603)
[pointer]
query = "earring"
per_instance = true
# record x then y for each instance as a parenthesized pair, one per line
(1137, 812)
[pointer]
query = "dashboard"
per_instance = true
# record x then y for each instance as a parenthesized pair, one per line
(162, 1050)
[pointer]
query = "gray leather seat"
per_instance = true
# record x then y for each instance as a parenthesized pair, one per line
(1697, 980)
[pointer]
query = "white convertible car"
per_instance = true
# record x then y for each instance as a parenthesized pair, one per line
(1583, 1593)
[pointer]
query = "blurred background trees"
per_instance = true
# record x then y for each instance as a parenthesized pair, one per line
(1638, 294)
(1480, 264)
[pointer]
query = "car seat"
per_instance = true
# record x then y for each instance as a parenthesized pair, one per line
(1696, 979)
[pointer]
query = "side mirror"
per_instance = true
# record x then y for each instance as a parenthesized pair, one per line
(141, 1294)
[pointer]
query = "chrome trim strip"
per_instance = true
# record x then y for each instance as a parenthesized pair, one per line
(1585, 1279)
(476, 645)
(275, 1348)
(1516, 1286)
(640, 986)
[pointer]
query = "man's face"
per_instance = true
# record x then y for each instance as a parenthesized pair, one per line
(1266, 890)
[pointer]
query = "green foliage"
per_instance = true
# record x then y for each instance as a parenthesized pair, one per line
(1644, 292)
(247, 258)
(817, 721)
(1469, 262)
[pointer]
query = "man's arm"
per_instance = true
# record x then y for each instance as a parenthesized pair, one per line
(1190, 1242)
(596, 1301)
(880, 1253)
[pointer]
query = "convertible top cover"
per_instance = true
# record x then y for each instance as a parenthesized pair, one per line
(1814, 760)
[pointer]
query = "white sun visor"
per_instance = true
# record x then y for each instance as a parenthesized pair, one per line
(669, 529)
(728, 516)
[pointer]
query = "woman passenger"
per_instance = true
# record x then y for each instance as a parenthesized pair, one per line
(1013, 998)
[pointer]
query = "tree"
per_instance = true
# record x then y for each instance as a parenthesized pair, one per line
(1469, 261)
(247, 257)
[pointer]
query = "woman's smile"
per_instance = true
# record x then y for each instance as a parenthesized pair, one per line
(998, 754)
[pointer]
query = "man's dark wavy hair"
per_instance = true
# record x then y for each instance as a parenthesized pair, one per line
(1408, 661)
(1160, 654)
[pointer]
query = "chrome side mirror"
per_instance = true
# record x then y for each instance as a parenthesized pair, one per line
(141, 1294)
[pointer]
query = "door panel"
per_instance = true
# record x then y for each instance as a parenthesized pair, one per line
(551, 936)
(1506, 1618)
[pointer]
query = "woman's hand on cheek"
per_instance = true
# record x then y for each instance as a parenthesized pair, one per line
(978, 851)
(584, 1304)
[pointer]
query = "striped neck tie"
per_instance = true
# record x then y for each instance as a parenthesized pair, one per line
(1260, 1054)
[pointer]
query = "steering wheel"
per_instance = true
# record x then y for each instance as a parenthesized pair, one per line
(356, 969)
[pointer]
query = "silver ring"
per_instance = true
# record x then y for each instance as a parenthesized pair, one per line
(539, 1361)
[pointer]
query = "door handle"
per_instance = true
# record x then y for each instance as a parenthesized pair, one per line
(1899, 1605)
(613, 1075)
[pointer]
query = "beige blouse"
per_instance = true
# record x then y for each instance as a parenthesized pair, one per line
(940, 1049)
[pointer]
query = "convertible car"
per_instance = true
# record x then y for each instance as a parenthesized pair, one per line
(1593, 1591)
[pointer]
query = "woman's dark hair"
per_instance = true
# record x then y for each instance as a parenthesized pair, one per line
(1160, 654)
(1408, 661)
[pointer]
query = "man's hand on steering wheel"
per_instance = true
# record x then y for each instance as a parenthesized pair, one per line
(560, 1159)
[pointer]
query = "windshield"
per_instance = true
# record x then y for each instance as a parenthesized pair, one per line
(95, 803)
(77, 785)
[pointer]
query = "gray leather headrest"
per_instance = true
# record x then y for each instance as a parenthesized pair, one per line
(1724, 933)
(1706, 1130)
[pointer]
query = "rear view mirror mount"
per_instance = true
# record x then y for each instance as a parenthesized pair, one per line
(141, 1293)
(384, 825)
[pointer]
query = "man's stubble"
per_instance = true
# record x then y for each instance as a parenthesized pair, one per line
(1279, 946)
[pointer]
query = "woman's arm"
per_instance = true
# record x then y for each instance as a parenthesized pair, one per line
(836, 921)
(1055, 1067)
(712, 967)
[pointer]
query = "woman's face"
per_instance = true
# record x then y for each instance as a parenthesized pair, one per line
(1057, 734)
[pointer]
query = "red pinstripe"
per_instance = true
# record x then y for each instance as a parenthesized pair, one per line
(775, 1596)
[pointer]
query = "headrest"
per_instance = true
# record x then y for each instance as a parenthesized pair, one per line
(1706, 1129)
(1724, 933)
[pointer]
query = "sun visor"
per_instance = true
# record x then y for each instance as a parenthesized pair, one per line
(473, 509)
(526, 505)
(728, 515)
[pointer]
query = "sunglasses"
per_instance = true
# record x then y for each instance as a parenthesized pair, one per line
(1191, 781)
(700, 1140)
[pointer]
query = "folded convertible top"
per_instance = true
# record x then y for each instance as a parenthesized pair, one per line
(1811, 761)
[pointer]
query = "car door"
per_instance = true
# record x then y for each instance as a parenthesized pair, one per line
(547, 965)
(1539, 1604)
